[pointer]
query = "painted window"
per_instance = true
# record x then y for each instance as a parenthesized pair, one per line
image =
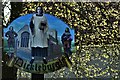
(24, 39)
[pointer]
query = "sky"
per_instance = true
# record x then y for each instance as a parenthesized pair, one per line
(53, 23)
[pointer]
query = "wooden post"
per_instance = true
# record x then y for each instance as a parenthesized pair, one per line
(37, 76)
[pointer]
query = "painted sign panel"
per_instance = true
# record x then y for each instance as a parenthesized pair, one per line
(38, 43)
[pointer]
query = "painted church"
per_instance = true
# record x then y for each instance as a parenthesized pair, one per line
(24, 39)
